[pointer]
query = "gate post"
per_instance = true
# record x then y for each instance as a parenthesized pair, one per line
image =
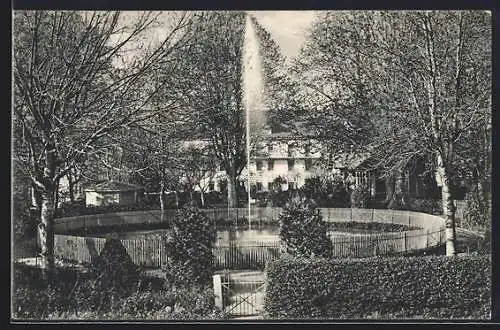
(218, 291)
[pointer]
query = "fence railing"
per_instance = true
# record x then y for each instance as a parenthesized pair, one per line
(255, 214)
(151, 252)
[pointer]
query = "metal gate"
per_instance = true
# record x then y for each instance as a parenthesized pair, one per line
(240, 296)
(243, 298)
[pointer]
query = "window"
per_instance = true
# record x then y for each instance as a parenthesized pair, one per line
(270, 147)
(211, 186)
(258, 186)
(291, 164)
(290, 150)
(269, 186)
(290, 185)
(270, 164)
(259, 165)
(309, 164)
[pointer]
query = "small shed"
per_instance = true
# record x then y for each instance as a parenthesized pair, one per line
(113, 193)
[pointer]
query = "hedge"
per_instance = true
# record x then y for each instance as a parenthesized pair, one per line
(385, 288)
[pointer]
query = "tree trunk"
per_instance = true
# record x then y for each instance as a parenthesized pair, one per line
(56, 195)
(176, 199)
(162, 200)
(232, 197)
(36, 198)
(448, 209)
(397, 198)
(71, 189)
(202, 197)
(389, 188)
(46, 231)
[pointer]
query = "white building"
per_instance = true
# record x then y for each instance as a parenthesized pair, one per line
(281, 155)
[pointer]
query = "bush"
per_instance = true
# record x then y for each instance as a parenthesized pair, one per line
(361, 197)
(114, 269)
(402, 287)
(303, 230)
(189, 245)
(326, 191)
(430, 206)
(75, 296)
(477, 212)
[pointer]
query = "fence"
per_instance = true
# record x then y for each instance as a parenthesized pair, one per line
(150, 252)
(255, 214)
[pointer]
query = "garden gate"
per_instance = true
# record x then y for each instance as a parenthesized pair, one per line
(240, 295)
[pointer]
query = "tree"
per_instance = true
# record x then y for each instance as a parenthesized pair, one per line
(78, 77)
(197, 167)
(209, 80)
(303, 230)
(190, 247)
(415, 84)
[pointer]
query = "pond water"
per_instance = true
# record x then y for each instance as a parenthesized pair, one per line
(241, 235)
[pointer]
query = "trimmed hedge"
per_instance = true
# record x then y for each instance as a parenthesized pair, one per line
(404, 287)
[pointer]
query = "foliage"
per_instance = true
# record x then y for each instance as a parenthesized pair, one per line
(430, 206)
(74, 296)
(326, 191)
(361, 197)
(477, 212)
(404, 287)
(370, 226)
(303, 230)
(114, 267)
(190, 245)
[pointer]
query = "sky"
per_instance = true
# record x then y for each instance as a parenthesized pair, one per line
(288, 28)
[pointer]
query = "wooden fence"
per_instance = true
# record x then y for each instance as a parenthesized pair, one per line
(255, 214)
(150, 251)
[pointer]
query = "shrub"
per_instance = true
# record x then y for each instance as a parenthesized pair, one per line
(477, 212)
(189, 245)
(303, 230)
(402, 287)
(75, 296)
(325, 191)
(361, 197)
(113, 268)
(430, 206)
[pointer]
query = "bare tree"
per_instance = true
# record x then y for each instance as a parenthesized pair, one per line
(402, 86)
(210, 81)
(78, 77)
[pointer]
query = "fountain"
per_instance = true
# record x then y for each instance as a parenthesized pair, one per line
(253, 91)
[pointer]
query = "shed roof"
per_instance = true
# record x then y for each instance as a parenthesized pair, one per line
(114, 186)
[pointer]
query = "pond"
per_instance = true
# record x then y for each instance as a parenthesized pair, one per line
(241, 235)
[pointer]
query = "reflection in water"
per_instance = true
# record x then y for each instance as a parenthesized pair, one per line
(248, 235)
(240, 235)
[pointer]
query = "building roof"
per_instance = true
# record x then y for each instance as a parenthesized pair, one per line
(111, 186)
(353, 161)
